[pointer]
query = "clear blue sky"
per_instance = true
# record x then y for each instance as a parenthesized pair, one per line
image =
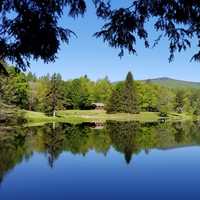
(88, 55)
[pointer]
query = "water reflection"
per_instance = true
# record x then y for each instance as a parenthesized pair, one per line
(128, 138)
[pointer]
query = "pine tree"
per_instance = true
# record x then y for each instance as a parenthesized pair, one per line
(197, 108)
(180, 101)
(54, 95)
(114, 103)
(129, 102)
(124, 97)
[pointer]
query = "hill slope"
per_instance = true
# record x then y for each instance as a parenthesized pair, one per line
(173, 83)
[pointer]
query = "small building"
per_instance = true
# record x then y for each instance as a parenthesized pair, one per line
(98, 106)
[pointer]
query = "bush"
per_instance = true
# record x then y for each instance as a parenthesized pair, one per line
(163, 114)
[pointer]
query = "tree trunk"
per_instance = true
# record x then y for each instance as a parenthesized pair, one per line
(54, 113)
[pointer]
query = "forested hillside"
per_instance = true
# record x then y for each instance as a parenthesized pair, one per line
(50, 93)
(173, 83)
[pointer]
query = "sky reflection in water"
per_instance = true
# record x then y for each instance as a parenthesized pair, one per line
(124, 160)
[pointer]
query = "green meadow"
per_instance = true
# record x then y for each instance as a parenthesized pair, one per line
(78, 116)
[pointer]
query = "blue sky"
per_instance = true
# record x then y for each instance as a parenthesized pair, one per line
(88, 55)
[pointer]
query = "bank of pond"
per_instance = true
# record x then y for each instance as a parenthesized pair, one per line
(30, 118)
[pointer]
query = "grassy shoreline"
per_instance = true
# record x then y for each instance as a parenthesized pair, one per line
(78, 116)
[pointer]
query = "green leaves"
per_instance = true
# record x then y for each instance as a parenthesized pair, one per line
(54, 96)
(33, 30)
(124, 98)
(14, 89)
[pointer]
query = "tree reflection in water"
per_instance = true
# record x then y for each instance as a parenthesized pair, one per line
(129, 138)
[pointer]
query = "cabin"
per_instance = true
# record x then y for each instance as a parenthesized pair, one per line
(98, 106)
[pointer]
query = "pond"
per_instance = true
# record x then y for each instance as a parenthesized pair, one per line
(116, 160)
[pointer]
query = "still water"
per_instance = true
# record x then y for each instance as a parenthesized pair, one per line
(119, 160)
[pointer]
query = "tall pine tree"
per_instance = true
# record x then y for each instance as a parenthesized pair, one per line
(114, 103)
(129, 102)
(54, 95)
(124, 98)
(180, 101)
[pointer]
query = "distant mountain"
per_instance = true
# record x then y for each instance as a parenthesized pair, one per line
(173, 83)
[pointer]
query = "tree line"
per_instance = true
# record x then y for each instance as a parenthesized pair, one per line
(50, 93)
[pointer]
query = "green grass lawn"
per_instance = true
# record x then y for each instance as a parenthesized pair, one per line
(95, 115)
(78, 116)
(39, 118)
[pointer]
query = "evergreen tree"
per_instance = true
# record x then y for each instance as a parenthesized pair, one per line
(197, 107)
(124, 98)
(114, 103)
(54, 95)
(180, 101)
(33, 30)
(129, 102)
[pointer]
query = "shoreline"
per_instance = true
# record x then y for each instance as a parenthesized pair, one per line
(79, 116)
